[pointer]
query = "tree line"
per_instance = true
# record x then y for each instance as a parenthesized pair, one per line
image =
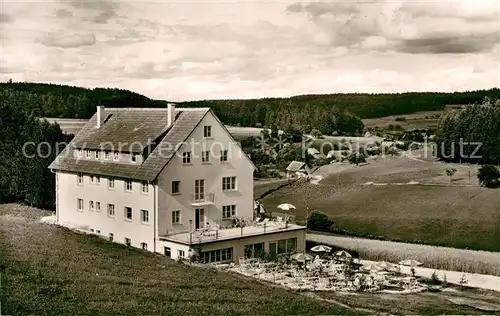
(471, 134)
(328, 113)
(28, 146)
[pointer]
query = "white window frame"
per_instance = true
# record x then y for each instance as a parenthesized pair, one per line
(91, 206)
(223, 155)
(178, 187)
(125, 213)
(133, 158)
(144, 187)
(180, 253)
(144, 216)
(115, 156)
(229, 184)
(128, 242)
(186, 158)
(207, 131)
(107, 155)
(79, 179)
(111, 236)
(111, 210)
(97, 155)
(97, 206)
(176, 217)
(111, 183)
(229, 210)
(98, 180)
(169, 251)
(80, 204)
(199, 189)
(91, 179)
(205, 156)
(128, 182)
(87, 153)
(144, 246)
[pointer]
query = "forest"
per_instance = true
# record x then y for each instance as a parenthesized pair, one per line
(27, 147)
(471, 135)
(328, 113)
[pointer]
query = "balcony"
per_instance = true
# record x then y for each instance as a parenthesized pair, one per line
(202, 199)
(212, 234)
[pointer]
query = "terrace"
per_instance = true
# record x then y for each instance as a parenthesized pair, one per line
(212, 234)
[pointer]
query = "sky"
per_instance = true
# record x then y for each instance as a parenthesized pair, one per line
(192, 50)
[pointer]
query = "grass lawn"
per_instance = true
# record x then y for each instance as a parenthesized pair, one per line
(461, 217)
(53, 271)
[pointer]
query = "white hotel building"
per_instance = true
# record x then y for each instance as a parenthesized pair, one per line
(165, 180)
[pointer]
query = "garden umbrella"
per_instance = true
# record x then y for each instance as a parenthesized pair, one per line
(343, 253)
(410, 263)
(286, 207)
(302, 257)
(321, 248)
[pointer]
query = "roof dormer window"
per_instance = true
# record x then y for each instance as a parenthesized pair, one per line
(133, 158)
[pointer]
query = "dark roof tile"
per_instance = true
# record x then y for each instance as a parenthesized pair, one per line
(131, 126)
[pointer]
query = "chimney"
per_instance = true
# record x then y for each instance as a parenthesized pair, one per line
(171, 114)
(100, 115)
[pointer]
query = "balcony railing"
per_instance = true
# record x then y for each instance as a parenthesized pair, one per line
(202, 198)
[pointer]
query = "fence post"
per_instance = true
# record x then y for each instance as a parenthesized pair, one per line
(264, 227)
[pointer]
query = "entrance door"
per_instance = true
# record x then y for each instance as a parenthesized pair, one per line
(199, 219)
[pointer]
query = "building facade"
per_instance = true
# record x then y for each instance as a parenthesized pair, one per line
(146, 177)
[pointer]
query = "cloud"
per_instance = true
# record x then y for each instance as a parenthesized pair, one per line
(408, 27)
(317, 9)
(4, 18)
(100, 11)
(449, 44)
(253, 49)
(67, 41)
(63, 13)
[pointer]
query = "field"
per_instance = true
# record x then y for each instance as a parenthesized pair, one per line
(53, 271)
(458, 214)
(417, 120)
(433, 257)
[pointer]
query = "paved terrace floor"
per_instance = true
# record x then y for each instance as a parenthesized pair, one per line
(213, 234)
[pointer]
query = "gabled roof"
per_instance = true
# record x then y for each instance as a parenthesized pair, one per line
(295, 166)
(136, 127)
(126, 126)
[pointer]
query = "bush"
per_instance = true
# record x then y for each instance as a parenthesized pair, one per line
(316, 133)
(488, 176)
(320, 222)
(321, 162)
(435, 278)
(356, 158)
(400, 119)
